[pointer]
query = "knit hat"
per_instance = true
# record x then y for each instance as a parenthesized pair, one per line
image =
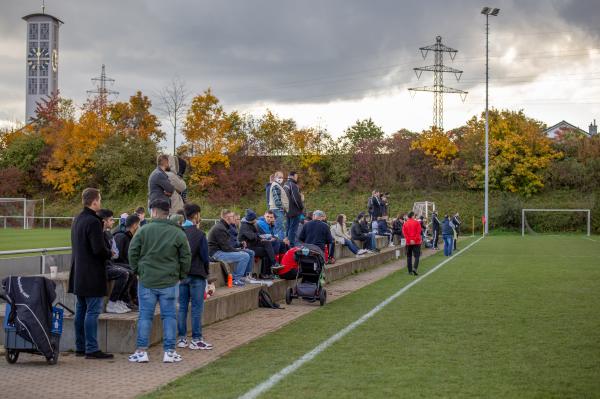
(250, 215)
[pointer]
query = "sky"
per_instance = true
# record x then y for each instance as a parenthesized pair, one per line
(324, 63)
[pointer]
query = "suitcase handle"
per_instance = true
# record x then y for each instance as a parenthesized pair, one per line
(62, 305)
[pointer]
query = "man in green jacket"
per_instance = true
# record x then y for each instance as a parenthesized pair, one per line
(160, 255)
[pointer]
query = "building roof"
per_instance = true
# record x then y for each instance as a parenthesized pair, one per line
(565, 124)
(39, 14)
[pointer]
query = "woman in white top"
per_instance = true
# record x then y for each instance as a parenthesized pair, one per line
(341, 236)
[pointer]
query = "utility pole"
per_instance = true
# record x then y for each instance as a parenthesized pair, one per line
(487, 11)
(438, 70)
(101, 90)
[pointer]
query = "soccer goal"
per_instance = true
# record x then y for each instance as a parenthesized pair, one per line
(423, 208)
(577, 217)
(19, 212)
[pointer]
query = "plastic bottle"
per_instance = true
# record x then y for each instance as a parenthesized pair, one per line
(229, 281)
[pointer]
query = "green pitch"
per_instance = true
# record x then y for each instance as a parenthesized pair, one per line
(510, 317)
(13, 239)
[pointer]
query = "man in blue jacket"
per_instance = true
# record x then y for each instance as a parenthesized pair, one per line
(192, 288)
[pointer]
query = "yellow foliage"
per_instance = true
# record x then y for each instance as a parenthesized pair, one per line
(437, 144)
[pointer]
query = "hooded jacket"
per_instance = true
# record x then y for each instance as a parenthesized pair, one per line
(178, 183)
(158, 184)
(249, 233)
(296, 206)
(199, 248)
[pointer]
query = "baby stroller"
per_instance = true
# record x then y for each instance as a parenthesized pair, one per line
(309, 277)
(31, 323)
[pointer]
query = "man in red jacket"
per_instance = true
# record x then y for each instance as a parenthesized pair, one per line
(412, 234)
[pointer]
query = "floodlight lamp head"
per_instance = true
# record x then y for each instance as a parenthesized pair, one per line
(495, 12)
(485, 10)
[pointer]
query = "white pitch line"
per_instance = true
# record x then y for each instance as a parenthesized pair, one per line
(591, 239)
(307, 357)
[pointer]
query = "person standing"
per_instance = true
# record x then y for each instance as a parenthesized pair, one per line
(193, 287)
(278, 203)
(296, 207)
(160, 255)
(435, 227)
(456, 222)
(159, 186)
(447, 235)
(87, 279)
(412, 234)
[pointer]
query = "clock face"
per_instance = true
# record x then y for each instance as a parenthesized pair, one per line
(54, 60)
(32, 52)
(44, 64)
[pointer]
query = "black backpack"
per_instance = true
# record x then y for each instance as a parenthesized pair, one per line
(265, 300)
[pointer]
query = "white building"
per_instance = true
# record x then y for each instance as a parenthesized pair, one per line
(42, 59)
(563, 127)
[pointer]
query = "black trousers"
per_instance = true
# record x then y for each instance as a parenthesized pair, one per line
(436, 237)
(267, 256)
(121, 276)
(413, 250)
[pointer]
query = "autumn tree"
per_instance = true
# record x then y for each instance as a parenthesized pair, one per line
(134, 118)
(207, 129)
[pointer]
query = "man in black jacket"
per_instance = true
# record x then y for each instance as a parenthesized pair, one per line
(249, 236)
(123, 240)
(87, 279)
(435, 227)
(193, 287)
(159, 186)
(220, 248)
(296, 207)
(456, 222)
(359, 231)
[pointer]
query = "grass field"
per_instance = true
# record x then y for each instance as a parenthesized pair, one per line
(13, 239)
(510, 317)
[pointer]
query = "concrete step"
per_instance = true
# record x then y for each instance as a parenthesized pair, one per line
(117, 332)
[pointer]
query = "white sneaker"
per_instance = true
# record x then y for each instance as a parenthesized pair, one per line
(172, 357)
(362, 252)
(200, 345)
(391, 244)
(251, 280)
(113, 307)
(139, 357)
(182, 343)
(124, 306)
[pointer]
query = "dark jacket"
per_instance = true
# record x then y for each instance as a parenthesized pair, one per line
(382, 227)
(376, 207)
(447, 229)
(293, 192)
(316, 232)
(199, 248)
(249, 233)
(158, 184)
(89, 256)
(219, 238)
(356, 232)
(435, 222)
(160, 254)
(233, 236)
(456, 222)
(397, 226)
(123, 240)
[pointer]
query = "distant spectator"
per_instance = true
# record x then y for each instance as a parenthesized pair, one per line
(383, 229)
(278, 203)
(123, 241)
(159, 186)
(385, 205)
(87, 279)
(192, 288)
(180, 172)
(374, 205)
(296, 207)
(456, 222)
(177, 218)
(268, 189)
(447, 235)
(141, 213)
(359, 231)
(423, 224)
(121, 226)
(435, 230)
(303, 220)
(250, 237)
(178, 183)
(120, 274)
(341, 236)
(266, 228)
(397, 227)
(160, 255)
(316, 232)
(220, 248)
(413, 237)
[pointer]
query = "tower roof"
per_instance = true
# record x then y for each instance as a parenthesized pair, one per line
(39, 14)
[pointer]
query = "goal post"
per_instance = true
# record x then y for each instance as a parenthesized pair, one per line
(17, 212)
(525, 210)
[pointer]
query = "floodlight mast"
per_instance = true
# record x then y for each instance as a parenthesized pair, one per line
(487, 11)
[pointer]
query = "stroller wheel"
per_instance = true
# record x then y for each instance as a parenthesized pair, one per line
(288, 295)
(11, 356)
(323, 296)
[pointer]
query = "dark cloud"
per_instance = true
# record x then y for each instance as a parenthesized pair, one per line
(305, 51)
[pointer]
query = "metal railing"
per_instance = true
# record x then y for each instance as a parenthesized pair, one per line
(50, 218)
(42, 251)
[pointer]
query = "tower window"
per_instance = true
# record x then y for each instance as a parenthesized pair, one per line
(44, 86)
(33, 31)
(32, 86)
(44, 31)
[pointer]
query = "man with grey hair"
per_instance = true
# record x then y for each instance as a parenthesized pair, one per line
(317, 232)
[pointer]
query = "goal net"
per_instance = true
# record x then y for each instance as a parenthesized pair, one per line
(556, 221)
(423, 208)
(18, 212)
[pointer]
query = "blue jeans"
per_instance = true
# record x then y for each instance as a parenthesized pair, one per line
(373, 241)
(242, 259)
(279, 230)
(448, 244)
(292, 228)
(166, 298)
(87, 310)
(191, 289)
(352, 246)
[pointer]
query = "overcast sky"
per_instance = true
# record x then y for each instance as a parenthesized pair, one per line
(327, 62)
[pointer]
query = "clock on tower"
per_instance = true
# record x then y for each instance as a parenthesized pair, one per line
(42, 59)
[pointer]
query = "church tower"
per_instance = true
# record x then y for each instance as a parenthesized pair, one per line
(42, 59)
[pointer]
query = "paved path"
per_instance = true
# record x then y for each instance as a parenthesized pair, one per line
(76, 377)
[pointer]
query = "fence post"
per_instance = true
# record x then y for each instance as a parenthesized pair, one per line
(44, 261)
(50, 224)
